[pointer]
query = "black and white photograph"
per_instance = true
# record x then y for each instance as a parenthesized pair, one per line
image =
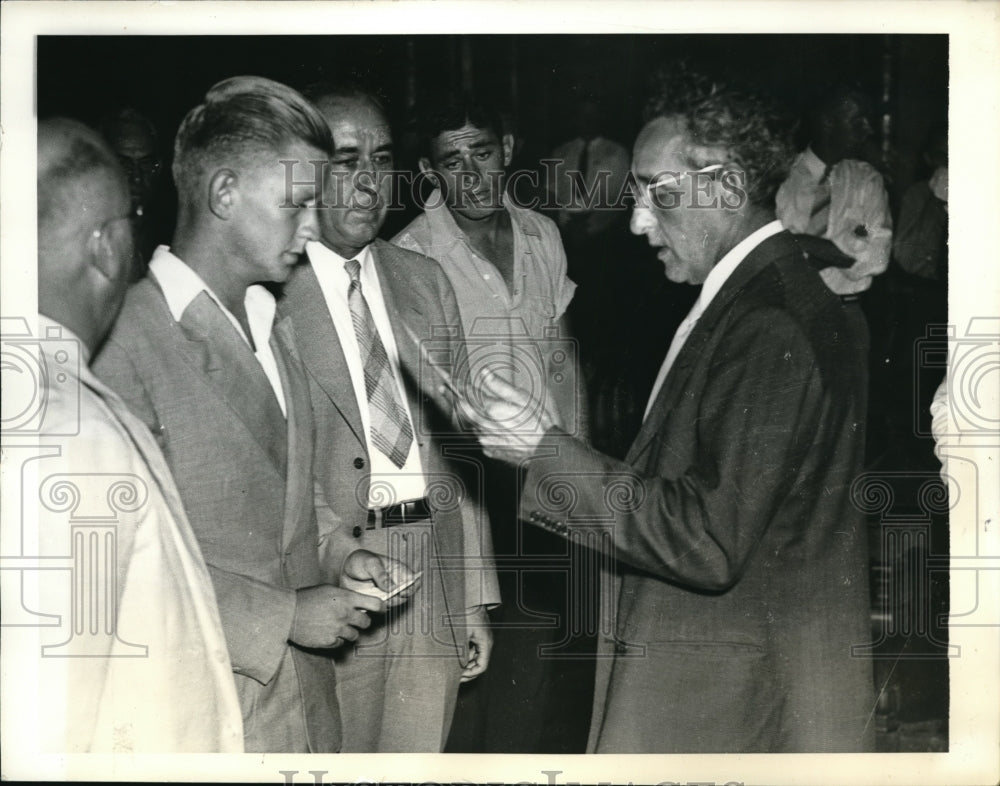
(509, 389)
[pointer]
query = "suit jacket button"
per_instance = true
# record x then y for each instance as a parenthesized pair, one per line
(359, 462)
(357, 532)
(620, 648)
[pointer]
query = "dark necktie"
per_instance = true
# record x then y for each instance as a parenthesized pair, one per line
(819, 215)
(391, 432)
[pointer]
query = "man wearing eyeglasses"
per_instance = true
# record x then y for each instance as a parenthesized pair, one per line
(739, 584)
(101, 674)
(133, 137)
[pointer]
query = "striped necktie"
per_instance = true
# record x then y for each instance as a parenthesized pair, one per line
(391, 431)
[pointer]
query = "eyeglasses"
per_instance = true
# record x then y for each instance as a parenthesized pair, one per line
(667, 183)
(146, 166)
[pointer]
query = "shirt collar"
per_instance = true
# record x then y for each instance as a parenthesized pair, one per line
(814, 165)
(325, 256)
(718, 275)
(445, 232)
(181, 285)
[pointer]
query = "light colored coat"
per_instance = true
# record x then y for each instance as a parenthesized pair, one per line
(105, 677)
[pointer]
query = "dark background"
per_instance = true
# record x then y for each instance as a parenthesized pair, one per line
(539, 80)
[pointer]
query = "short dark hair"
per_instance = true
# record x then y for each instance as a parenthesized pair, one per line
(113, 120)
(449, 112)
(241, 117)
(74, 152)
(829, 103)
(755, 131)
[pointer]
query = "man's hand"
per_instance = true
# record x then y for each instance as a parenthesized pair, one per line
(479, 644)
(510, 421)
(364, 570)
(870, 250)
(328, 616)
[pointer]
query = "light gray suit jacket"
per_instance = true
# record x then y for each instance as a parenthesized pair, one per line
(417, 296)
(255, 521)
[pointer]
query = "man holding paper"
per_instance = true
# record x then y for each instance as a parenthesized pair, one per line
(739, 583)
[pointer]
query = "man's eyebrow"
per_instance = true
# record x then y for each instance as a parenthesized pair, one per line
(454, 151)
(355, 150)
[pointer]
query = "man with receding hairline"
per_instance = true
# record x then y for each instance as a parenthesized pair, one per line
(108, 693)
(199, 357)
(385, 440)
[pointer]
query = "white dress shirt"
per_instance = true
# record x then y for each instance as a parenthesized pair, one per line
(717, 276)
(181, 285)
(389, 483)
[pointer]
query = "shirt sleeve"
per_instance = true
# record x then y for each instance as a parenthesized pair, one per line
(563, 287)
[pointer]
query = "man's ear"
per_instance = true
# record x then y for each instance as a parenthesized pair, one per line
(425, 165)
(114, 264)
(223, 193)
(508, 149)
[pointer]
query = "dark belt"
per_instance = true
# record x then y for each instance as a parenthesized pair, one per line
(411, 512)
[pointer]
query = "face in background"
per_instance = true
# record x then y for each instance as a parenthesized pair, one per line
(270, 227)
(849, 128)
(136, 149)
(688, 239)
(470, 163)
(359, 182)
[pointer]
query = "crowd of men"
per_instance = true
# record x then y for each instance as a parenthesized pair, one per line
(350, 454)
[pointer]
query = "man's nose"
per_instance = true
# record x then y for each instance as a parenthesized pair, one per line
(309, 226)
(642, 220)
(365, 188)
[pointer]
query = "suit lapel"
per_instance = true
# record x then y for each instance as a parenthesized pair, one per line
(695, 346)
(321, 348)
(217, 352)
(402, 310)
(300, 444)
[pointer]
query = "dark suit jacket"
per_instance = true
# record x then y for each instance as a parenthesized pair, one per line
(258, 533)
(741, 577)
(418, 296)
